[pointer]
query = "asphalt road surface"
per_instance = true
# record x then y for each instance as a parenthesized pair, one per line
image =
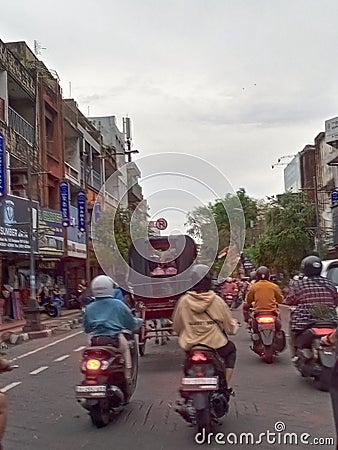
(44, 414)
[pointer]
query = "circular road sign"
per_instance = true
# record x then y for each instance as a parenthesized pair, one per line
(161, 224)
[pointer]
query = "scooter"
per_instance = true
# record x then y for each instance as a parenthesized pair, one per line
(312, 359)
(267, 342)
(105, 390)
(53, 306)
(205, 396)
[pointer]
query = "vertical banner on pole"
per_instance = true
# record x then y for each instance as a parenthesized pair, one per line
(65, 203)
(3, 168)
(81, 210)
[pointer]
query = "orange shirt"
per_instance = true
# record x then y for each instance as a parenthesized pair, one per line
(265, 295)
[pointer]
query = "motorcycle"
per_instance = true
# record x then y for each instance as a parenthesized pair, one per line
(312, 359)
(205, 396)
(105, 390)
(52, 306)
(267, 342)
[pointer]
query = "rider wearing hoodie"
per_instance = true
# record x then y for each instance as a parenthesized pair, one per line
(201, 317)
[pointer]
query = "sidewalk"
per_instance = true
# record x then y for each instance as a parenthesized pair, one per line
(12, 332)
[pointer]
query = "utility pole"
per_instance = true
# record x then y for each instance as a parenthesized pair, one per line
(33, 311)
(84, 186)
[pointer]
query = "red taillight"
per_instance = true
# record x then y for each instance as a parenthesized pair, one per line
(266, 319)
(322, 331)
(93, 364)
(199, 357)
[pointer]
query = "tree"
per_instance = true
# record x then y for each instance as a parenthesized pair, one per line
(114, 232)
(216, 223)
(289, 234)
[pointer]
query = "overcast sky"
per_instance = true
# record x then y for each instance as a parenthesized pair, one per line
(239, 83)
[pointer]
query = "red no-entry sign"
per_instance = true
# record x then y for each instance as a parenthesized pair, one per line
(161, 224)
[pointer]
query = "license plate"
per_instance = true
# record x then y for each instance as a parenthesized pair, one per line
(201, 380)
(90, 389)
(199, 384)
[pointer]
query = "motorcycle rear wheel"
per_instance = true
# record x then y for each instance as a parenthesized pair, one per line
(100, 414)
(268, 354)
(203, 420)
(322, 382)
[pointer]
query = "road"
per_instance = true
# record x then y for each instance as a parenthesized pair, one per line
(44, 414)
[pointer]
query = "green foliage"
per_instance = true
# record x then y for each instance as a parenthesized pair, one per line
(115, 230)
(212, 226)
(289, 234)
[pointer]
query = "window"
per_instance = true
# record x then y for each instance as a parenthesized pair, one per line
(332, 275)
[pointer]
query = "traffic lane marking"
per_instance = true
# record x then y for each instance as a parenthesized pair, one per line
(61, 358)
(10, 386)
(79, 348)
(46, 346)
(40, 369)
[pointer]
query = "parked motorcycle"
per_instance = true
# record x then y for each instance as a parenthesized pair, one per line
(267, 342)
(105, 390)
(52, 306)
(204, 392)
(312, 359)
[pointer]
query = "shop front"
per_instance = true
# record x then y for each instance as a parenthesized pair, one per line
(50, 270)
(75, 255)
(16, 243)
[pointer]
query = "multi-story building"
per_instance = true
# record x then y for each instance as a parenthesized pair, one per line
(331, 138)
(292, 175)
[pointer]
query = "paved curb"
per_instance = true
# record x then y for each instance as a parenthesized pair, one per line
(16, 338)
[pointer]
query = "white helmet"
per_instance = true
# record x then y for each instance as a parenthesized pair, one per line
(102, 286)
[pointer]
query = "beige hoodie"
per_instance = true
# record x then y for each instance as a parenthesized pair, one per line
(194, 326)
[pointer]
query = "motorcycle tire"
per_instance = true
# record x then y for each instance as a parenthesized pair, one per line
(323, 381)
(268, 354)
(52, 310)
(203, 421)
(100, 414)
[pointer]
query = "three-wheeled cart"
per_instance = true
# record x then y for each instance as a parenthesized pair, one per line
(165, 262)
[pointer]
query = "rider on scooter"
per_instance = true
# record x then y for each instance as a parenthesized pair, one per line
(264, 296)
(108, 316)
(315, 297)
(201, 317)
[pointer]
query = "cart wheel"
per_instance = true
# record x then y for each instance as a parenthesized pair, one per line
(142, 340)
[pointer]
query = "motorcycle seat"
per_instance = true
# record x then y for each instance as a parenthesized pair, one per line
(105, 341)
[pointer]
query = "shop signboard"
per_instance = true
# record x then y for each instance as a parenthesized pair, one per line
(3, 181)
(76, 240)
(81, 209)
(51, 240)
(65, 203)
(15, 225)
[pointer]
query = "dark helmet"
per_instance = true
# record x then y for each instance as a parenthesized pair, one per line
(201, 278)
(253, 275)
(262, 273)
(311, 266)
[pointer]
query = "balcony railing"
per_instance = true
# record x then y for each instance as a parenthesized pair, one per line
(20, 125)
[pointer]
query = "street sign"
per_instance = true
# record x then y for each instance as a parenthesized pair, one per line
(334, 197)
(161, 224)
(3, 181)
(65, 203)
(81, 210)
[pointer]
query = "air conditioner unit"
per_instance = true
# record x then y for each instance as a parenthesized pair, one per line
(20, 193)
(19, 179)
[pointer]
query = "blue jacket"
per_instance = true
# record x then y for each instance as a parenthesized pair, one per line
(119, 294)
(108, 316)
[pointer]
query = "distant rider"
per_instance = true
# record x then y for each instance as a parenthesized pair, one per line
(263, 296)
